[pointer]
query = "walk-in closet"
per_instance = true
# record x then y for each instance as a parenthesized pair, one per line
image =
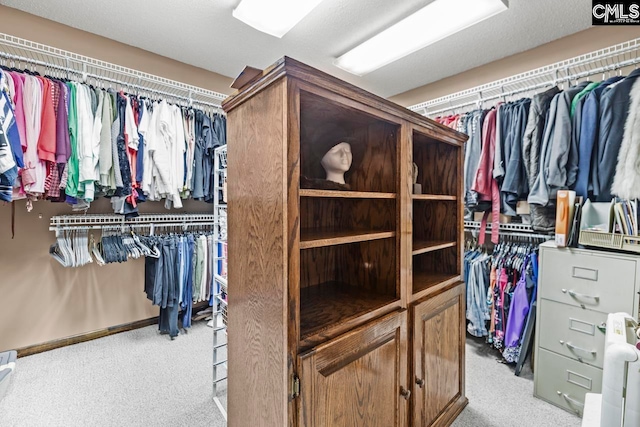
(319, 213)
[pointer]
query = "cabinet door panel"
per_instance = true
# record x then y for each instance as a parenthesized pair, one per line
(356, 379)
(438, 340)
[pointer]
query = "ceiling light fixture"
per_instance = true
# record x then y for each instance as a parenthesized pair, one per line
(274, 17)
(432, 23)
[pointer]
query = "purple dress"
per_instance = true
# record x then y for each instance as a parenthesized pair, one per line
(517, 317)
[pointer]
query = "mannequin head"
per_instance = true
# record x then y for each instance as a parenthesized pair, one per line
(337, 161)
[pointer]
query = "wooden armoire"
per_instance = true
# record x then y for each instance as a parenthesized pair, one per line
(347, 304)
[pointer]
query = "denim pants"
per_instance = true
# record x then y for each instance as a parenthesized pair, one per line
(169, 306)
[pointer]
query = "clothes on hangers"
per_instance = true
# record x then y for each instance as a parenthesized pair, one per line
(500, 291)
(74, 142)
(557, 140)
(181, 276)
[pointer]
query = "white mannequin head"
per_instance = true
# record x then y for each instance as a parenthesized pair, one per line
(337, 161)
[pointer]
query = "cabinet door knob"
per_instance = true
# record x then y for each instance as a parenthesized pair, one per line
(420, 382)
(405, 393)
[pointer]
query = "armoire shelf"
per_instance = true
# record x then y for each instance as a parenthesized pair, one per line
(433, 197)
(339, 291)
(424, 280)
(316, 238)
(346, 194)
(424, 246)
(329, 304)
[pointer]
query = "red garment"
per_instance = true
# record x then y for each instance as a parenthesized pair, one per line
(47, 138)
(484, 183)
(449, 121)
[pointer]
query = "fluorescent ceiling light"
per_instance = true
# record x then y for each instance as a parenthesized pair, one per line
(275, 17)
(430, 24)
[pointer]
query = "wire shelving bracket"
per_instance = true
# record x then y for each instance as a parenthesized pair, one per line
(80, 67)
(600, 61)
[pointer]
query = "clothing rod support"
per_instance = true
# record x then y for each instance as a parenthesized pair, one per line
(569, 78)
(613, 58)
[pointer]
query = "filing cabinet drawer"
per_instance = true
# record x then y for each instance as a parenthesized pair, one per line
(572, 332)
(596, 282)
(565, 382)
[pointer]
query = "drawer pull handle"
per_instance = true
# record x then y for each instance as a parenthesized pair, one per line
(405, 393)
(571, 401)
(576, 295)
(420, 382)
(575, 349)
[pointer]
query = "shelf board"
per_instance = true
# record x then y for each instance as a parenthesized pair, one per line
(346, 194)
(425, 280)
(314, 238)
(331, 303)
(424, 246)
(433, 197)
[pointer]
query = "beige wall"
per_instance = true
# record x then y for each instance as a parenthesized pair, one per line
(40, 300)
(583, 42)
(31, 27)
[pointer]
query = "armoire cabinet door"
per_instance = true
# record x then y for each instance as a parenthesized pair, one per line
(358, 379)
(438, 354)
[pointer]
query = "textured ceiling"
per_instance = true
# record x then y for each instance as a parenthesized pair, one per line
(203, 33)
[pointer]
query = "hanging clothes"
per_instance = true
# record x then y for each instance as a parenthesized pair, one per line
(614, 108)
(73, 142)
(500, 291)
(626, 183)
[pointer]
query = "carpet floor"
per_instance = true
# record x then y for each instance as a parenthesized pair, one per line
(497, 398)
(140, 378)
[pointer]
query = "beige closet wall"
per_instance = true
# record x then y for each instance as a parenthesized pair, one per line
(41, 301)
(583, 42)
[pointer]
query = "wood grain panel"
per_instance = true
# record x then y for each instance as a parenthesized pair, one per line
(374, 145)
(257, 262)
(404, 212)
(292, 123)
(424, 246)
(435, 221)
(346, 194)
(313, 77)
(318, 237)
(432, 268)
(327, 304)
(433, 197)
(437, 165)
(347, 214)
(355, 380)
(438, 355)
(366, 265)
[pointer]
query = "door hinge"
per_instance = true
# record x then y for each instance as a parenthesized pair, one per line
(295, 386)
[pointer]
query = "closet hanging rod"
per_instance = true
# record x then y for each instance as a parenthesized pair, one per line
(37, 62)
(128, 226)
(512, 226)
(119, 220)
(557, 72)
(515, 234)
(30, 51)
(569, 78)
(100, 78)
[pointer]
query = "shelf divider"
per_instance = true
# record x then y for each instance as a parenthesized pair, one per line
(314, 238)
(424, 246)
(433, 197)
(346, 194)
(425, 280)
(331, 303)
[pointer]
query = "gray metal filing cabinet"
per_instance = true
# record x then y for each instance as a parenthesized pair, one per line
(577, 289)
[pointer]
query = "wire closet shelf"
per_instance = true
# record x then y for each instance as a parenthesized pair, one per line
(602, 61)
(510, 229)
(18, 52)
(100, 222)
